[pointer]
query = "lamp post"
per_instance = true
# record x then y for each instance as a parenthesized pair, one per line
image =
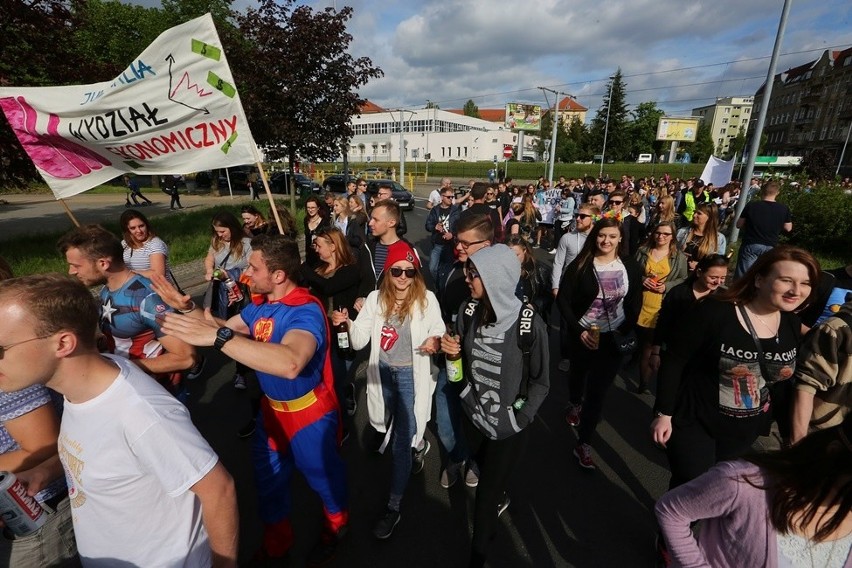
(606, 127)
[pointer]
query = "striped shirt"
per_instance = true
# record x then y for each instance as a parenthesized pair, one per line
(140, 258)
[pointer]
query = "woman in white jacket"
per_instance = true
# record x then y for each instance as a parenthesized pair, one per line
(402, 322)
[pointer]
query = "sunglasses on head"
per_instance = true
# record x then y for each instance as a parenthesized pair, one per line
(396, 272)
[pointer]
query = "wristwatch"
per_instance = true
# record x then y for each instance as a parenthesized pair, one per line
(223, 335)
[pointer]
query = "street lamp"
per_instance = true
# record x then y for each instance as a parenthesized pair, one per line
(606, 127)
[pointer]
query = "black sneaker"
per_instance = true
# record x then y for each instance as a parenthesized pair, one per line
(419, 457)
(196, 369)
(248, 430)
(350, 401)
(384, 528)
(325, 550)
(503, 504)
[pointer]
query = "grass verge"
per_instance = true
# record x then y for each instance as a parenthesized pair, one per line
(187, 234)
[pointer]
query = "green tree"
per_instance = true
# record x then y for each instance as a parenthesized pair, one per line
(578, 134)
(643, 129)
(37, 46)
(819, 165)
(430, 104)
(737, 145)
(617, 136)
(470, 109)
(300, 92)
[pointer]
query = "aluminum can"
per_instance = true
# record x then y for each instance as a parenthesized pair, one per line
(22, 513)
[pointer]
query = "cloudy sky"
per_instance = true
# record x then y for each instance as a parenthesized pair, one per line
(680, 53)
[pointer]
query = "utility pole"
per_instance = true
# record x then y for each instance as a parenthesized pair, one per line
(552, 148)
(606, 127)
(761, 118)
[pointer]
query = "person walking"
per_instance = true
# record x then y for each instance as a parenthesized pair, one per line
(497, 331)
(402, 323)
(664, 267)
(144, 252)
(762, 223)
(729, 353)
(702, 237)
(599, 298)
(441, 224)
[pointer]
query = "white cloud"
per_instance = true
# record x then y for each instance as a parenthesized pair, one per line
(497, 50)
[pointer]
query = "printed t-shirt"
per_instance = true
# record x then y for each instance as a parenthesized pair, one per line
(130, 318)
(609, 314)
(269, 322)
(131, 455)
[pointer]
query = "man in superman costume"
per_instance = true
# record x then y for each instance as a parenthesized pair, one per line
(283, 336)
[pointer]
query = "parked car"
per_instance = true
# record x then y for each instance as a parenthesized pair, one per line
(239, 176)
(336, 183)
(400, 194)
(374, 172)
(280, 183)
(527, 159)
(645, 159)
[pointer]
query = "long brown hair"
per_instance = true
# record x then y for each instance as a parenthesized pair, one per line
(651, 242)
(415, 294)
(744, 289)
(342, 251)
(587, 253)
(709, 241)
(227, 220)
(801, 480)
(125, 220)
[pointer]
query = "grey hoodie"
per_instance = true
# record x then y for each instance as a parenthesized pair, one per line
(493, 360)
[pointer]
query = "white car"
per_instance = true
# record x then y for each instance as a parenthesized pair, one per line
(645, 159)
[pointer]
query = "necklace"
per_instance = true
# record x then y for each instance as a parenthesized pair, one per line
(766, 326)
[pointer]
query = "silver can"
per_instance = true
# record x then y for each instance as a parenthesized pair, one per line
(22, 513)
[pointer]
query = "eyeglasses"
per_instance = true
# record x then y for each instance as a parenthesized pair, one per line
(489, 193)
(4, 348)
(583, 216)
(449, 195)
(616, 202)
(396, 272)
(467, 244)
(658, 234)
(470, 272)
(311, 208)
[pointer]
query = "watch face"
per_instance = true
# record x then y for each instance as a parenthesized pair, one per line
(225, 333)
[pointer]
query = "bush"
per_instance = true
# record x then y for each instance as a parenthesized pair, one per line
(822, 220)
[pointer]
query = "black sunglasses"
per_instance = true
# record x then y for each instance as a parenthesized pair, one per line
(583, 216)
(396, 272)
(616, 202)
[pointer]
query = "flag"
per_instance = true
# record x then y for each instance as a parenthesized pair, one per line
(175, 109)
(718, 172)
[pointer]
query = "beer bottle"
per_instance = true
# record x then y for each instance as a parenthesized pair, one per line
(341, 330)
(454, 365)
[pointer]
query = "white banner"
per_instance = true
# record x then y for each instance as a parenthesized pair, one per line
(718, 172)
(174, 110)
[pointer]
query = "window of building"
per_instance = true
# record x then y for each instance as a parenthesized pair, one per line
(823, 132)
(724, 121)
(727, 110)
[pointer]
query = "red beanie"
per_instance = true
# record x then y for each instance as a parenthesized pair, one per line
(401, 250)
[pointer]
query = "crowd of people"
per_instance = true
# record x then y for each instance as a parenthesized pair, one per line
(93, 387)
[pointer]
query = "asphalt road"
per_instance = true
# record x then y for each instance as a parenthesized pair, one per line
(560, 515)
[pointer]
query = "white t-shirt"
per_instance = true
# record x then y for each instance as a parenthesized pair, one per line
(435, 197)
(131, 455)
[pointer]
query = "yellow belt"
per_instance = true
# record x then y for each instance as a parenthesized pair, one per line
(294, 405)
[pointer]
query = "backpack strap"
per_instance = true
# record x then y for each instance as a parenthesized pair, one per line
(525, 340)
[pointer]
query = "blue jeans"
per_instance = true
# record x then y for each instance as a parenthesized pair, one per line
(435, 259)
(748, 254)
(398, 394)
(448, 414)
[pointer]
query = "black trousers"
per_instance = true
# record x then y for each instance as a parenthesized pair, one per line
(592, 373)
(496, 460)
(692, 450)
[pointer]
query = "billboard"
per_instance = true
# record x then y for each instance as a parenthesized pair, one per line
(520, 116)
(677, 129)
